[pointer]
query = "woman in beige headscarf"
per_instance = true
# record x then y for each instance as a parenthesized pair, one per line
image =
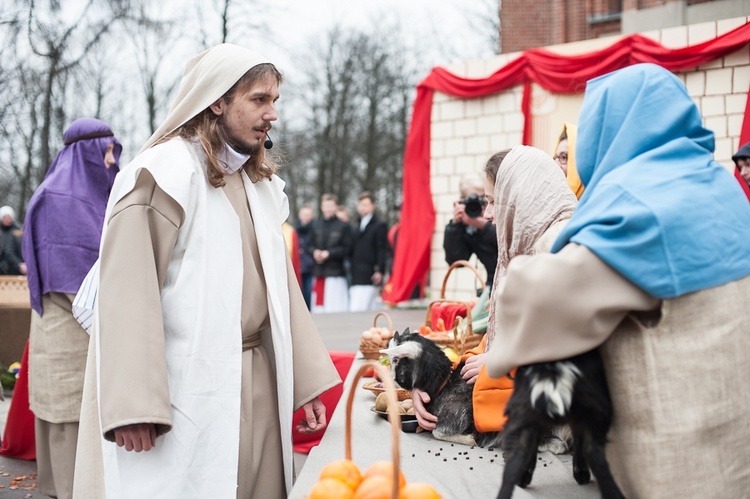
(528, 202)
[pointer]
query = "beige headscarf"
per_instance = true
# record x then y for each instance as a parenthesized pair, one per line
(208, 76)
(531, 193)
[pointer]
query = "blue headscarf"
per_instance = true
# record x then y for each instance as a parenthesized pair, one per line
(657, 207)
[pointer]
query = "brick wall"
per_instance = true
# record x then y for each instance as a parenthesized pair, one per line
(467, 132)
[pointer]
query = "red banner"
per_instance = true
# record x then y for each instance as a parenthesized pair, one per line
(556, 73)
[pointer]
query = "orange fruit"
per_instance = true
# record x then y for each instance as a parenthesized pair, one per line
(374, 487)
(384, 468)
(344, 471)
(418, 491)
(330, 488)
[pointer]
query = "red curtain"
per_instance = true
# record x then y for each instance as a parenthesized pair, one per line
(744, 139)
(18, 438)
(556, 73)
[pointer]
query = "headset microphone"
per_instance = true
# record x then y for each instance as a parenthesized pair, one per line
(268, 143)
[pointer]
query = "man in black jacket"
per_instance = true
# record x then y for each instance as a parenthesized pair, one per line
(330, 244)
(466, 235)
(368, 255)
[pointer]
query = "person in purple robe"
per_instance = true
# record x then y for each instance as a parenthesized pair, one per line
(62, 229)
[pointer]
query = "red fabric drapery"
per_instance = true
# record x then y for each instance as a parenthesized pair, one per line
(18, 439)
(744, 139)
(556, 73)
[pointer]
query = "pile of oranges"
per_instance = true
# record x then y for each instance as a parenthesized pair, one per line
(343, 480)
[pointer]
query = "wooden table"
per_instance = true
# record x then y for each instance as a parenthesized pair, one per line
(456, 471)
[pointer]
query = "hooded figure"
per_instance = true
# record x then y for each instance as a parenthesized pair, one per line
(653, 268)
(742, 171)
(567, 141)
(203, 346)
(60, 243)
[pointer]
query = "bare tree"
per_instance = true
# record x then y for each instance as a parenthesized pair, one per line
(63, 47)
(357, 95)
(236, 20)
(152, 31)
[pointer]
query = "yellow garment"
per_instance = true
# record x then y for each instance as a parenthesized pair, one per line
(288, 232)
(574, 181)
(490, 395)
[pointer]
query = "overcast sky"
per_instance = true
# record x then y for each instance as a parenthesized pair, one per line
(443, 31)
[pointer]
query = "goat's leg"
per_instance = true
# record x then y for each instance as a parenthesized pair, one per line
(580, 467)
(593, 451)
(519, 469)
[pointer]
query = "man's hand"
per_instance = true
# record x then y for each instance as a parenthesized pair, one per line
(315, 417)
(22, 268)
(471, 368)
(136, 437)
(320, 256)
(459, 213)
(377, 278)
(478, 222)
(426, 420)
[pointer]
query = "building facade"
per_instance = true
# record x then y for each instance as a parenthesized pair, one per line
(556, 22)
(466, 132)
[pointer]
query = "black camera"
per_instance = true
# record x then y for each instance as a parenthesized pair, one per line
(474, 205)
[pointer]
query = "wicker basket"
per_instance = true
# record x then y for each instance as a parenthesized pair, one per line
(14, 292)
(466, 340)
(370, 349)
(393, 417)
(401, 394)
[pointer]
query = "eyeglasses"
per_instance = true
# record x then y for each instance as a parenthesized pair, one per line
(561, 158)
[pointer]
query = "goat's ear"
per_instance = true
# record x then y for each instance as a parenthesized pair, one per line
(406, 331)
(396, 336)
(408, 349)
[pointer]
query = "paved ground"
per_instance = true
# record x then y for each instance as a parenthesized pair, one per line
(339, 332)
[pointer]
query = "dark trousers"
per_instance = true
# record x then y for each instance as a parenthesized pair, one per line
(307, 284)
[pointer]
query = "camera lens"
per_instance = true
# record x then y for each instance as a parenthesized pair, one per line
(474, 205)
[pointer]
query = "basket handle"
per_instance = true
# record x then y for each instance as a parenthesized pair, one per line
(455, 265)
(393, 416)
(388, 318)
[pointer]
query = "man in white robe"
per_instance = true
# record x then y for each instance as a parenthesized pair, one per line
(203, 344)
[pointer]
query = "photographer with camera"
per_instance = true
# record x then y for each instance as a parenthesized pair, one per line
(469, 232)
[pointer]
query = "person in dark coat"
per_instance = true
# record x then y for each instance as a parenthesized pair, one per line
(303, 227)
(330, 244)
(368, 255)
(466, 235)
(11, 261)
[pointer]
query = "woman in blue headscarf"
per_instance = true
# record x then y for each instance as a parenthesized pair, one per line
(653, 269)
(63, 227)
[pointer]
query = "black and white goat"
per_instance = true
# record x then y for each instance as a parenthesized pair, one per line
(417, 362)
(548, 394)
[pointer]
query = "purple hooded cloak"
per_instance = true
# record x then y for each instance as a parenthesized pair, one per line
(64, 218)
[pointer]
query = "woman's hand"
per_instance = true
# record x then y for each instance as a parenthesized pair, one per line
(136, 437)
(471, 368)
(426, 420)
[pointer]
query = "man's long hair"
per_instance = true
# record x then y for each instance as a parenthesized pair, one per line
(207, 128)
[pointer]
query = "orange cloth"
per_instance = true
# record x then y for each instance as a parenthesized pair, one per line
(490, 395)
(448, 312)
(292, 245)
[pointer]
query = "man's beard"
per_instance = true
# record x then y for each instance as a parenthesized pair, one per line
(242, 148)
